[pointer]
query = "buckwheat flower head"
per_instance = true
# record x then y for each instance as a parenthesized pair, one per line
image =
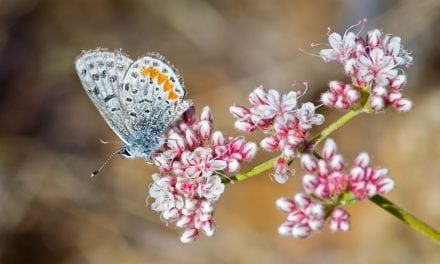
(286, 126)
(331, 186)
(375, 62)
(303, 217)
(365, 182)
(325, 178)
(340, 96)
(192, 164)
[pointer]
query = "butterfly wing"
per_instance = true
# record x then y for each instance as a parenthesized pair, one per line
(152, 96)
(102, 73)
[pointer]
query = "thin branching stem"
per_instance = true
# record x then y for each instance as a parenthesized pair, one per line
(406, 217)
(379, 200)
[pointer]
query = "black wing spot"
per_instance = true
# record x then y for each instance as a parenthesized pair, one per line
(83, 72)
(109, 97)
(142, 80)
(110, 64)
(129, 100)
(103, 74)
(96, 90)
(155, 64)
(159, 98)
(100, 64)
(164, 70)
(95, 76)
(147, 111)
(157, 88)
(136, 66)
(113, 78)
(91, 66)
(145, 100)
(133, 114)
(120, 67)
(127, 87)
(115, 109)
(134, 91)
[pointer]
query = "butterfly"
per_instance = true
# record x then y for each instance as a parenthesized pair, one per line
(139, 99)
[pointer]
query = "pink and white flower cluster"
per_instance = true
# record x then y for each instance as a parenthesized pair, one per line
(374, 62)
(327, 182)
(285, 124)
(191, 165)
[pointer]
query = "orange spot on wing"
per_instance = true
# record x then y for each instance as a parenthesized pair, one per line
(168, 86)
(145, 71)
(161, 78)
(172, 95)
(153, 73)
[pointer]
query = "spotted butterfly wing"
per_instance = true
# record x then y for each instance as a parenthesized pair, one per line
(102, 75)
(152, 99)
(139, 100)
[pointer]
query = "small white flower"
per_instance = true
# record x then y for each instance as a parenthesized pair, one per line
(377, 67)
(277, 106)
(307, 117)
(341, 47)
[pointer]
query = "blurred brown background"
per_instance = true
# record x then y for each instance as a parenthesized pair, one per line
(51, 211)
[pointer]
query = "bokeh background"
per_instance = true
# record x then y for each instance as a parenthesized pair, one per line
(51, 211)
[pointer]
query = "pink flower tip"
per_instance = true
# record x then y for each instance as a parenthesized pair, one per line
(189, 235)
(340, 220)
(309, 163)
(285, 229)
(362, 160)
(249, 151)
(285, 204)
(301, 231)
(403, 105)
(329, 149)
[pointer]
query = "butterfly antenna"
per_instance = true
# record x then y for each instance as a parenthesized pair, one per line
(105, 163)
(108, 142)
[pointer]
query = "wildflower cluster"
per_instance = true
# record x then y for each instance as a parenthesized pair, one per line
(327, 183)
(191, 165)
(374, 63)
(195, 161)
(286, 126)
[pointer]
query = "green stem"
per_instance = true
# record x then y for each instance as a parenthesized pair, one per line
(267, 165)
(380, 201)
(332, 127)
(406, 217)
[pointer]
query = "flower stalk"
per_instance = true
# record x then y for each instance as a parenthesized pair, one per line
(265, 166)
(379, 200)
(406, 217)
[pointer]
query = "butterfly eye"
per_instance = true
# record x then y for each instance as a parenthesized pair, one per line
(125, 153)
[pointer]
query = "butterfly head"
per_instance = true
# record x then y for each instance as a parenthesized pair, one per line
(140, 150)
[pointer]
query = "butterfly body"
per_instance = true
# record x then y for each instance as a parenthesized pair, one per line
(139, 99)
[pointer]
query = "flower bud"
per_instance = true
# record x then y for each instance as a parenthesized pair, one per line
(258, 96)
(239, 111)
(206, 114)
(189, 235)
(329, 149)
